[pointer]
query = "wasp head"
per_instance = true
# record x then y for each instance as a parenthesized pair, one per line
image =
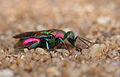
(71, 37)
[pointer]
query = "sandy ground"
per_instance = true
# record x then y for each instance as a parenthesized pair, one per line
(96, 20)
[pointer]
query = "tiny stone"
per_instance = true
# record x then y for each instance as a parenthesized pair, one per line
(56, 60)
(103, 20)
(113, 44)
(105, 34)
(26, 50)
(118, 50)
(1, 51)
(114, 53)
(16, 56)
(22, 56)
(96, 50)
(116, 57)
(28, 67)
(61, 58)
(2, 37)
(89, 8)
(40, 51)
(42, 75)
(6, 73)
(13, 66)
(53, 71)
(32, 51)
(9, 32)
(37, 58)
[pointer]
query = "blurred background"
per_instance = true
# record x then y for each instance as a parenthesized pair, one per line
(80, 16)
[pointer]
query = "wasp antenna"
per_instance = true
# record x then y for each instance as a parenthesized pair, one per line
(83, 40)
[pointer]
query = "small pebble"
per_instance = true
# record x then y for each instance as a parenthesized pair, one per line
(2, 37)
(103, 20)
(6, 73)
(53, 71)
(1, 51)
(40, 51)
(22, 56)
(96, 50)
(26, 50)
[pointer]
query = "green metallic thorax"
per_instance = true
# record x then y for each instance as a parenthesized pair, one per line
(56, 34)
(51, 40)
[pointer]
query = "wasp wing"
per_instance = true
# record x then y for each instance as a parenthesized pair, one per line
(35, 34)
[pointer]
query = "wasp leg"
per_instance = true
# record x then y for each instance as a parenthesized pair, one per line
(47, 45)
(65, 46)
(64, 43)
(48, 49)
(32, 46)
(83, 40)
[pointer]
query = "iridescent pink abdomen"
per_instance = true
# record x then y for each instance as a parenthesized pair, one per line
(29, 42)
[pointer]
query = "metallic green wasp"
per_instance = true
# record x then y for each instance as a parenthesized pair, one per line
(48, 38)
